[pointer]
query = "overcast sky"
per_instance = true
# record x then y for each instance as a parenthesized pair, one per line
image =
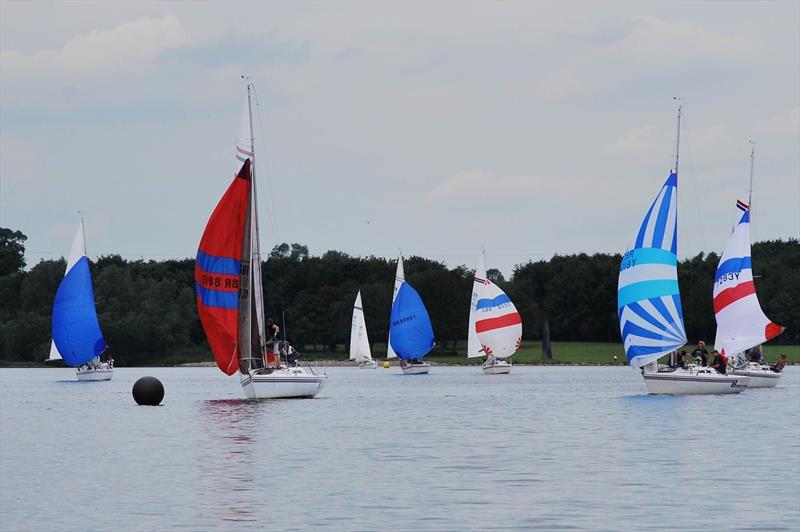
(525, 128)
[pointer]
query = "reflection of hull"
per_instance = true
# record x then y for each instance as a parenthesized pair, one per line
(94, 374)
(693, 381)
(282, 383)
(368, 365)
(761, 376)
(498, 367)
(416, 369)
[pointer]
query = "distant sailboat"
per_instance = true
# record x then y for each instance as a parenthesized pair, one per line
(741, 324)
(399, 279)
(359, 343)
(410, 332)
(495, 326)
(229, 289)
(77, 338)
(649, 303)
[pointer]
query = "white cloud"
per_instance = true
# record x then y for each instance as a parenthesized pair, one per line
(786, 122)
(131, 45)
(663, 42)
(482, 186)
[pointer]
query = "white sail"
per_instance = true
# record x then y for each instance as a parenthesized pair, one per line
(741, 324)
(399, 279)
(497, 323)
(359, 342)
(474, 347)
(77, 251)
(245, 148)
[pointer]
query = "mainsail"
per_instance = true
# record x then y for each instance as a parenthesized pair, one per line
(474, 347)
(648, 299)
(399, 279)
(76, 332)
(359, 343)
(410, 333)
(218, 269)
(741, 324)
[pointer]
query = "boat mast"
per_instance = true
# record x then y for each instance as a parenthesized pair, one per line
(752, 167)
(678, 134)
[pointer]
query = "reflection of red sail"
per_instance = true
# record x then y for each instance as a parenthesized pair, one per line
(216, 271)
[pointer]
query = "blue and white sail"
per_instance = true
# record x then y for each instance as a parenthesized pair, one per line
(399, 279)
(76, 332)
(410, 330)
(648, 299)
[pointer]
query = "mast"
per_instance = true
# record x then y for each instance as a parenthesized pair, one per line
(258, 334)
(752, 167)
(678, 134)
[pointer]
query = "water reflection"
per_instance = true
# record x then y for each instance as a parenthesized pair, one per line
(229, 425)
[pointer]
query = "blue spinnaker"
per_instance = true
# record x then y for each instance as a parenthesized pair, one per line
(76, 331)
(648, 299)
(410, 331)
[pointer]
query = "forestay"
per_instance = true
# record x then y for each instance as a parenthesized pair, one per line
(741, 324)
(410, 332)
(399, 279)
(75, 329)
(648, 299)
(359, 342)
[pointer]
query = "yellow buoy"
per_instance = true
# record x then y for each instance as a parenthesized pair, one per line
(386, 364)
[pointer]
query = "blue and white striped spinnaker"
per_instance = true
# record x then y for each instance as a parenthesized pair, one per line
(648, 299)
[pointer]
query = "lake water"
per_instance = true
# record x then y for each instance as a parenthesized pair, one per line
(547, 448)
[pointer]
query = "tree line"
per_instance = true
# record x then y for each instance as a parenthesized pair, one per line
(148, 314)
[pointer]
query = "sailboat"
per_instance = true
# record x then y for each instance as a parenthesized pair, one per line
(399, 279)
(229, 289)
(77, 338)
(649, 302)
(741, 324)
(495, 326)
(359, 343)
(410, 332)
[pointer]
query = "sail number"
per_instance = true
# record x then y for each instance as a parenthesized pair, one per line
(732, 276)
(628, 260)
(215, 281)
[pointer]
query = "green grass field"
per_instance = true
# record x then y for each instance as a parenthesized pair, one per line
(563, 353)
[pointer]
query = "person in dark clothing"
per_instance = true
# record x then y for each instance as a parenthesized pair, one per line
(778, 366)
(680, 359)
(755, 354)
(700, 354)
(719, 363)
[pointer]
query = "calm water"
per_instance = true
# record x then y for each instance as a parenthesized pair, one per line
(566, 448)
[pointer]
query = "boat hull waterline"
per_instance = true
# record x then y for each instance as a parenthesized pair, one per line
(691, 383)
(368, 365)
(94, 374)
(501, 367)
(283, 384)
(416, 369)
(761, 376)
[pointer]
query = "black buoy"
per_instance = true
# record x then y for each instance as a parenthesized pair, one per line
(148, 391)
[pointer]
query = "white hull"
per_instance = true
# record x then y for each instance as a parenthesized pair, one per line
(693, 381)
(368, 365)
(416, 369)
(500, 367)
(284, 383)
(102, 374)
(761, 376)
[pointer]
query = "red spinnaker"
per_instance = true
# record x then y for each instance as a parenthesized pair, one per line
(216, 271)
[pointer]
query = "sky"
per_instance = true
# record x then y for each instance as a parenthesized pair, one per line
(438, 129)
